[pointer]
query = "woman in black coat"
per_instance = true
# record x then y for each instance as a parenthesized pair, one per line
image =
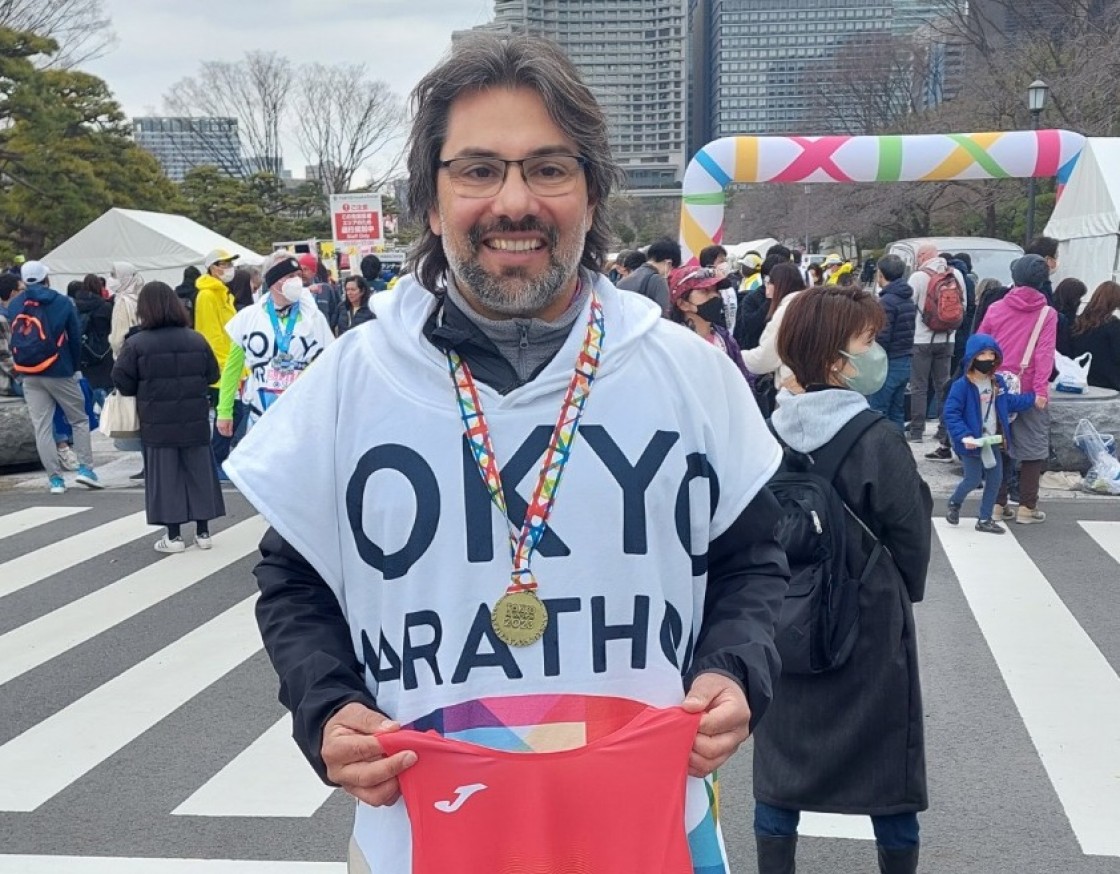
(168, 368)
(851, 740)
(355, 305)
(96, 315)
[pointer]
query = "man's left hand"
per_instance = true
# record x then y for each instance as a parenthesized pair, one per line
(724, 725)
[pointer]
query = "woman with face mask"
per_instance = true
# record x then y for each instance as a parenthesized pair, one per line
(271, 343)
(697, 302)
(851, 739)
(125, 283)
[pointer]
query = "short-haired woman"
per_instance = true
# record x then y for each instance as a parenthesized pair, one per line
(851, 740)
(355, 304)
(1097, 330)
(168, 368)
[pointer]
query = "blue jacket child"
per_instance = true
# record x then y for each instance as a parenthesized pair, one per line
(963, 415)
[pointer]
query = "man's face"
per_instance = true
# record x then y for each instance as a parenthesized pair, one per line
(306, 274)
(485, 239)
(1052, 264)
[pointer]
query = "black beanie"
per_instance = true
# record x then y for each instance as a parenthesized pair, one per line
(1030, 271)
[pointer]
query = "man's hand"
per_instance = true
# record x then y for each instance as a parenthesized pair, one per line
(225, 428)
(724, 725)
(355, 760)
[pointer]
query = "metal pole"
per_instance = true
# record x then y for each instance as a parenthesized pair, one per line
(1032, 189)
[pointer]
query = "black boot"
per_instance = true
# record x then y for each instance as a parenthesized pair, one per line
(776, 855)
(898, 861)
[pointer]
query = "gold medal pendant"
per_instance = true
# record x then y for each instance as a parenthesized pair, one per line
(519, 618)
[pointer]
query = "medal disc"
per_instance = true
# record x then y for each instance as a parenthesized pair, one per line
(519, 618)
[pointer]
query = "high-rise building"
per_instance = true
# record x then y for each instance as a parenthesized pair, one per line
(180, 144)
(779, 66)
(632, 55)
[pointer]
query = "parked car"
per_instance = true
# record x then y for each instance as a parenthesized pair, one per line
(991, 259)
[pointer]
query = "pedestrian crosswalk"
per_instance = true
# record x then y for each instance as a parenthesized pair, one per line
(1063, 683)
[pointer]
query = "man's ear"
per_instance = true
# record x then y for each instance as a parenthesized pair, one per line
(434, 223)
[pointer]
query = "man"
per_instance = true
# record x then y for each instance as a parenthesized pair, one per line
(896, 338)
(46, 349)
(714, 257)
(325, 294)
(652, 278)
(187, 291)
(371, 272)
(392, 516)
(933, 349)
(213, 308)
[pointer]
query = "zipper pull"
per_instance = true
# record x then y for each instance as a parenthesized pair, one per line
(524, 329)
(817, 522)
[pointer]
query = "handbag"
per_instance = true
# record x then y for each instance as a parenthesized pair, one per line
(119, 417)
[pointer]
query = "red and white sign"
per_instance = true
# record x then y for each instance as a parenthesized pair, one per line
(356, 219)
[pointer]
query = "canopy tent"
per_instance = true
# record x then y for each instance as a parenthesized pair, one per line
(1086, 221)
(158, 244)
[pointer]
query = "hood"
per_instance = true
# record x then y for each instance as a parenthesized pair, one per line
(40, 293)
(935, 265)
(129, 280)
(976, 344)
(899, 288)
(210, 283)
(1025, 300)
(403, 312)
(806, 422)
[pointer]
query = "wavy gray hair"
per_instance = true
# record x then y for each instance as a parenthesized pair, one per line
(483, 61)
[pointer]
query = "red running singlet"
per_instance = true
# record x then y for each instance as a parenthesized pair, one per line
(476, 810)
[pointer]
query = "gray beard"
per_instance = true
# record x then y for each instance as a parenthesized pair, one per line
(512, 294)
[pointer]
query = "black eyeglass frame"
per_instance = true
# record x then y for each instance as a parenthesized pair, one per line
(582, 161)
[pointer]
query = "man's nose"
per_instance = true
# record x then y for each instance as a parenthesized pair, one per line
(514, 199)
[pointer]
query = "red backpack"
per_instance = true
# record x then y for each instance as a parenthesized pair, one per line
(943, 310)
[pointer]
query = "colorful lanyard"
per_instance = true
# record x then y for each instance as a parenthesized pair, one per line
(283, 336)
(518, 628)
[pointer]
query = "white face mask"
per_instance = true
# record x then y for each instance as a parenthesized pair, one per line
(292, 289)
(228, 274)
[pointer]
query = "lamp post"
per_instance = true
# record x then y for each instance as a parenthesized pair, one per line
(1037, 93)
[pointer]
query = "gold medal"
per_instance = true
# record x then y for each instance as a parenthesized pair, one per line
(519, 618)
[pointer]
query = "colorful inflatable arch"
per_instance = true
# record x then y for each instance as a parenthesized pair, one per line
(918, 158)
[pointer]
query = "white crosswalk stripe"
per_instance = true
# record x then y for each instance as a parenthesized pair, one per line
(1070, 707)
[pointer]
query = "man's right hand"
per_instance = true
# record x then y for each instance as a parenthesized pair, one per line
(225, 428)
(355, 760)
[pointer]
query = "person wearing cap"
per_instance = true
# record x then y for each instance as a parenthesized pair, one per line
(751, 270)
(57, 383)
(1020, 319)
(833, 265)
(213, 308)
(275, 340)
(697, 303)
(324, 293)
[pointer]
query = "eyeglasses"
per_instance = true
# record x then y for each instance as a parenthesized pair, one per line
(545, 175)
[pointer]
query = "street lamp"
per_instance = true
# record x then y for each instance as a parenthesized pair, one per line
(1037, 92)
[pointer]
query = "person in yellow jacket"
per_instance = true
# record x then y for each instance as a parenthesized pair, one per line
(213, 308)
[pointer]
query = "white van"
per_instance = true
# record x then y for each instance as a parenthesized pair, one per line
(991, 259)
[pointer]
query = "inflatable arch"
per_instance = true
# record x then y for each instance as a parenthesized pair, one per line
(917, 158)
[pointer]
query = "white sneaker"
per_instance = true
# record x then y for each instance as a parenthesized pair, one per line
(170, 546)
(68, 458)
(202, 541)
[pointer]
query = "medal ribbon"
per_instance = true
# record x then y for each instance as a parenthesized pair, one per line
(524, 542)
(283, 337)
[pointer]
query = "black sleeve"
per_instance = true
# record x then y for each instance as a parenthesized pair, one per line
(747, 579)
(124, 375)
(308, 640)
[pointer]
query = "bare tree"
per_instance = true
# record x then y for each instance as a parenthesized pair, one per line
(344, 121)
(254, 91)
(80, 27)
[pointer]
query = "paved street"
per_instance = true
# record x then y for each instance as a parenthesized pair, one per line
(138, 718)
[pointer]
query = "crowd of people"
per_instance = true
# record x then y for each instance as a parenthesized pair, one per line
(393, 457)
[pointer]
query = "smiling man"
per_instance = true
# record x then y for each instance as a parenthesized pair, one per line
(535, 510)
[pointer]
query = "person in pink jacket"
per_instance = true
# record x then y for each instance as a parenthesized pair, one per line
(1013, 321)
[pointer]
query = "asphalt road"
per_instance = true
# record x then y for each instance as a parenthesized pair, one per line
(130, 683)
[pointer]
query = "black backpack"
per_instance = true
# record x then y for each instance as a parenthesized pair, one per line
(819, 622)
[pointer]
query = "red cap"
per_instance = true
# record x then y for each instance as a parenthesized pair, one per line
(686, 279)
(309, 261)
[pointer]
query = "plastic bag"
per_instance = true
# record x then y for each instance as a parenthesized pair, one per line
(1073, 373)
(1104, 474)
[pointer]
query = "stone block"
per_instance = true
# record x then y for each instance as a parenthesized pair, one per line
(1099, 405)
(17, 438)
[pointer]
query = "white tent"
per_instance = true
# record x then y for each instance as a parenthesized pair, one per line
(159, 244)
(1086, 221)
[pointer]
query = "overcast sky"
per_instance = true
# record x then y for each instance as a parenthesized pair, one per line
(161, 41)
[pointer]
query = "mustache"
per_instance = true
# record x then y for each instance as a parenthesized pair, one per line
(529, 224)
